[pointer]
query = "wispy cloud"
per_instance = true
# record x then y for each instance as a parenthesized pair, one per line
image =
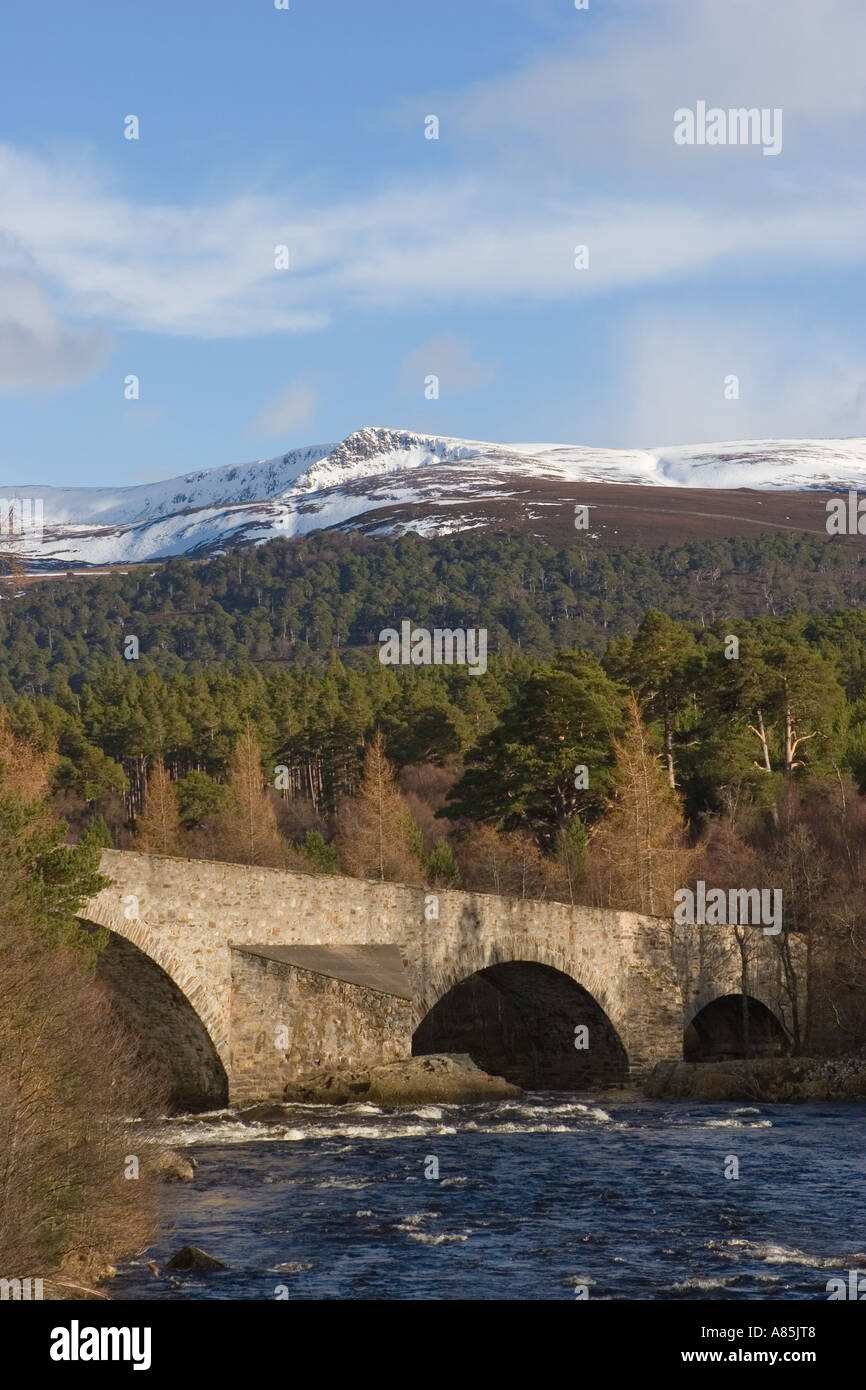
(209, 271)
(293, 407)
(676, 363)
(449, 357)
(604, 98)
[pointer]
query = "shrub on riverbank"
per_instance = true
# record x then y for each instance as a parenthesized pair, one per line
(70, 1079)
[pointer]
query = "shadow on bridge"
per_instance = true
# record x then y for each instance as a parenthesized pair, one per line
(530, 1023)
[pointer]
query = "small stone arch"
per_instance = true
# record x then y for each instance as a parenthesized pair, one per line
(712, 992)
(716, 1029)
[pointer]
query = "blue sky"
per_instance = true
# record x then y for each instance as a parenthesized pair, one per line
(408, 256)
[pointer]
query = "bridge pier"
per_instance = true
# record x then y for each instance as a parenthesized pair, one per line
(294, 1011)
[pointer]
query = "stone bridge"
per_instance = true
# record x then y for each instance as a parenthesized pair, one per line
(237, 979)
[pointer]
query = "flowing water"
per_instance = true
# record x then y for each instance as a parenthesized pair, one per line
(533, 1199)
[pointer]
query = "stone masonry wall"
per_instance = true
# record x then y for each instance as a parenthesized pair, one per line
(286, 1021)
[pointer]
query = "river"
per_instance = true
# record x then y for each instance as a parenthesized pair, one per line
(534, 1199)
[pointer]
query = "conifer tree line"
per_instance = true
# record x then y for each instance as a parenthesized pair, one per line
(506, 817)
(790, 704)
(299, 601)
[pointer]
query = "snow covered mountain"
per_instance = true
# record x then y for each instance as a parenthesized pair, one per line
(388, 481)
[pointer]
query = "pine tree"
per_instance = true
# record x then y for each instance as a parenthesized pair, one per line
(570, 855)
(662, 665)
(97, 833)
(158, 826)
(528, 770)
(43, 880)
(808, 700)
(199, 797)
(376, 835)
(442, 870)
(319, 855)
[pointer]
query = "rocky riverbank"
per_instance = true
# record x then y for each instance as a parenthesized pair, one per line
(82, 1271)
(770, 1079)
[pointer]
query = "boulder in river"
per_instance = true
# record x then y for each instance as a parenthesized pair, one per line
(330, 1087)
(442, 1077)
(190, 1257)
(262, 1114)
(167, 1165)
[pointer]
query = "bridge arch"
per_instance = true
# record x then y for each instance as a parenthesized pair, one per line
(524, 1015)
(715, 1025)
(479, 955)
(190, 918)
(719, 990)
(169, 1010)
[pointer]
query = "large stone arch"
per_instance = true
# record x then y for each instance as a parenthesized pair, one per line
(178, 1018)
(524, 1012)
(516, 948)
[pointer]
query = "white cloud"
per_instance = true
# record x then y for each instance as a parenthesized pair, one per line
(605, 96)
(293, 407)
(37, 349)
(208, 271)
